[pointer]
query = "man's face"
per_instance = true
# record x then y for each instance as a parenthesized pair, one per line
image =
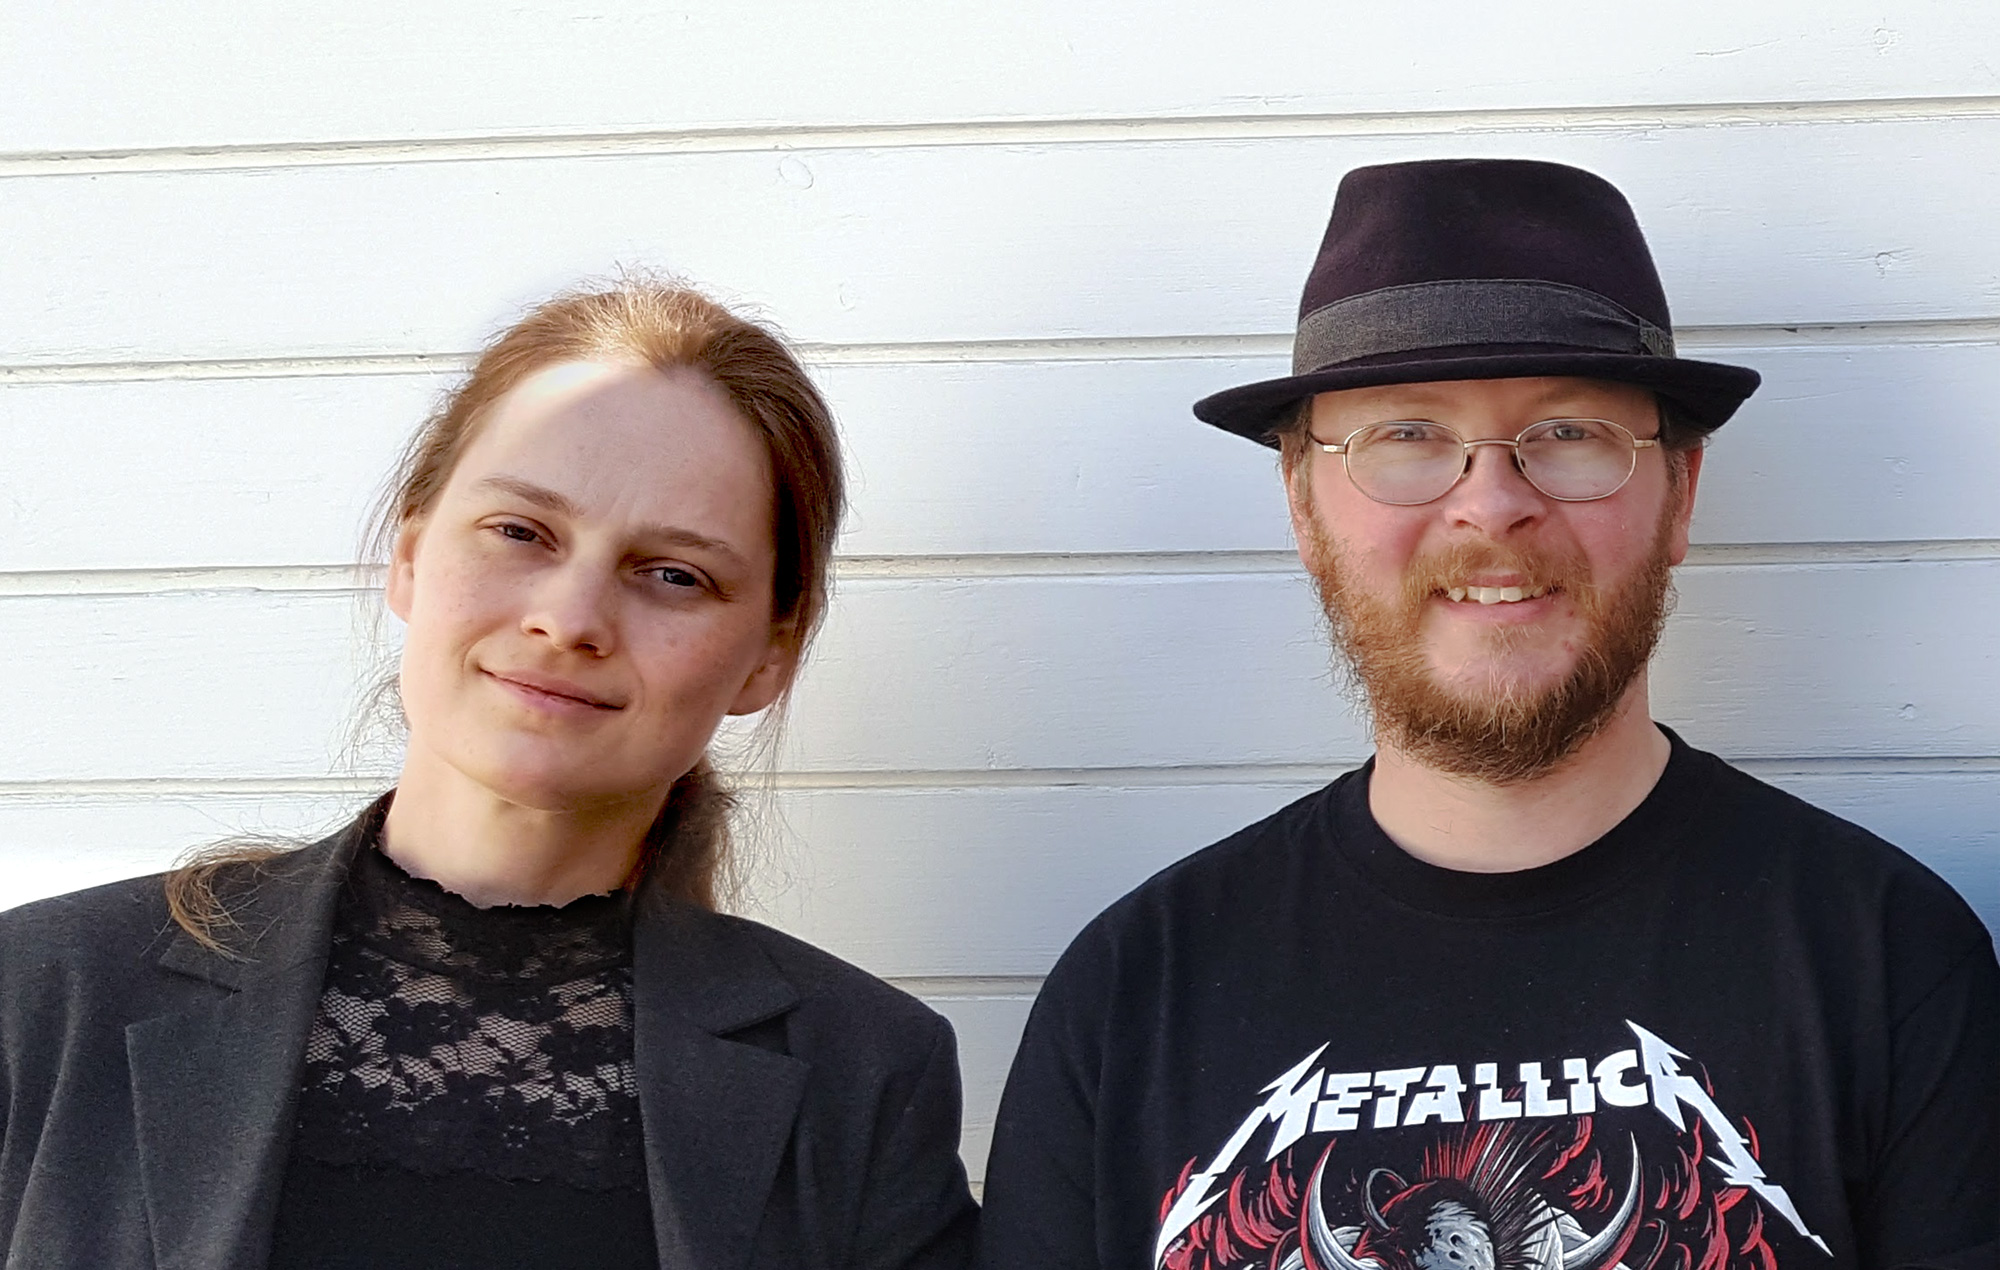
(1501, 691)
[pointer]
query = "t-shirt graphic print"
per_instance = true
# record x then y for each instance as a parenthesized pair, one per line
(1485, 1166)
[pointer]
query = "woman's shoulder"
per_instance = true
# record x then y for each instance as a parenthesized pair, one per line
(110, 940)
(86, 925)
(90, 955)
(778, 991)
(825, 981)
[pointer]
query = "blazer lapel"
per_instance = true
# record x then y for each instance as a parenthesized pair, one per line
(718, 1113)
(213, 1086)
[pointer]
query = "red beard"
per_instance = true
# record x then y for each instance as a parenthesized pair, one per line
(1516, 732)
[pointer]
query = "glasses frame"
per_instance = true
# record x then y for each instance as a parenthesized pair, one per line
(1342, 448)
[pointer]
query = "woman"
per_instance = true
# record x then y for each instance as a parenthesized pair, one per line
(496, 1020)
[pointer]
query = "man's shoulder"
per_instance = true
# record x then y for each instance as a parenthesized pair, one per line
(1835, 876)
(1787, 829)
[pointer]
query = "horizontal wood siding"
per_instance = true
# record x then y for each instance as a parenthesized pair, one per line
(1848, 221)
(277, 473)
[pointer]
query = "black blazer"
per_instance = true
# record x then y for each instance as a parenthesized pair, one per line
(797, 1112)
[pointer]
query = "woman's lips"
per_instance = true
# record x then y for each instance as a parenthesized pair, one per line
(549, 693)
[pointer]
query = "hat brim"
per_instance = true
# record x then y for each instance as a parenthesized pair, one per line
(1708, 392)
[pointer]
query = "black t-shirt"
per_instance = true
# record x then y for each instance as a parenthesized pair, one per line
(1735, 1032)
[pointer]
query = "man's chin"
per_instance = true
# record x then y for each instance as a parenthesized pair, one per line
(1497, 689)
(1499, 743)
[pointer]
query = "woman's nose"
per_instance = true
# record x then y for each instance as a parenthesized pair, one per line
(571, 608)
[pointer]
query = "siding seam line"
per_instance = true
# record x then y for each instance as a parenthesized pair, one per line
(361, 581)
(1049, 131)
(1849, 336)
(1039, 779)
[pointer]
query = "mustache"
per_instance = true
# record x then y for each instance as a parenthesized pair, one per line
(1447, 567)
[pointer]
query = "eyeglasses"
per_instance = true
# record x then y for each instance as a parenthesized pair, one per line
(1405, 462)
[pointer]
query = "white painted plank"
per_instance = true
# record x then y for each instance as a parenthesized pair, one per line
(1029, 673)
(1890, 442)
(924, 882)
(201, 684)
(53, 844)
(943, 882)
(982, 881)
(1857, 444)
(1766, 224)
(940, 881)
(191, 473)
(201, 74)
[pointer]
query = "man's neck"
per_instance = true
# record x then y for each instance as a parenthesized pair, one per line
(466, 838)
(1469, 825)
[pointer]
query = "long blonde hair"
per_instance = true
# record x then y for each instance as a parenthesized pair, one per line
(667, 326)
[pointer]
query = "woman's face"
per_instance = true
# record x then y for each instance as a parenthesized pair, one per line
(592, 589)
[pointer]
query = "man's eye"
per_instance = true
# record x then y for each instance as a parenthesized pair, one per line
(1407, 432)
(519, 533)
(675, 577)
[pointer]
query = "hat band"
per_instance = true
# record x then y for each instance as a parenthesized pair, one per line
(1429, 315)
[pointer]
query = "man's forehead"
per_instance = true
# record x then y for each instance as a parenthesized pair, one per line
(1516, 393)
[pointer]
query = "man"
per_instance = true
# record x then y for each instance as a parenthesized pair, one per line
(1540, 987)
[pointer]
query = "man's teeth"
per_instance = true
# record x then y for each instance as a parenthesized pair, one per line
(1496, 594)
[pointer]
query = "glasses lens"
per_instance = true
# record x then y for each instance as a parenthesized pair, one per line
(1405, 462)
(1576, 459)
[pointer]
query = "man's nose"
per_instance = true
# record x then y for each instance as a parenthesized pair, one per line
(1493, 496)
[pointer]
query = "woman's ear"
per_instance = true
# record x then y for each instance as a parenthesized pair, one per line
(399, 588)
(773, 675)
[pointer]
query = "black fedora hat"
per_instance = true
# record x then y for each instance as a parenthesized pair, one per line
(1481, 269)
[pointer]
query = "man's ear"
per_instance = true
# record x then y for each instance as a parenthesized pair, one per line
(399, 588)
(774, 674)
(1294, 470)
(1677, 546)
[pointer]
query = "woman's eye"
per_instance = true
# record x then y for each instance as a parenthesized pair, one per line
(675, 577)
(519, 533)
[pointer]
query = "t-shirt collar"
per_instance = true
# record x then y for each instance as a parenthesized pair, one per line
(1652, 831)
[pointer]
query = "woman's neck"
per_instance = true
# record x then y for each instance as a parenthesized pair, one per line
(447, 827)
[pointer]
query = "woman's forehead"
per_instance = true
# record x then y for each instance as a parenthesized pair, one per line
(620, 396)
(630, 441)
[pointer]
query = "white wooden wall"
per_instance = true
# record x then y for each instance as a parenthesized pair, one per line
(241, 247)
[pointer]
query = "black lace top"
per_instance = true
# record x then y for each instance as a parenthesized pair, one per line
(467, 1059)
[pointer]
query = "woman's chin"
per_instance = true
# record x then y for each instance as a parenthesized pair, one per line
(559, 788)
(530, 773)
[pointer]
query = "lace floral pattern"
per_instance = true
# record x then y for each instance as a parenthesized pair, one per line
(452, 1038)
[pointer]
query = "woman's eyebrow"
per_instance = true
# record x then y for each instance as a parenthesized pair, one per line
(529, 492)
(563, 505)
